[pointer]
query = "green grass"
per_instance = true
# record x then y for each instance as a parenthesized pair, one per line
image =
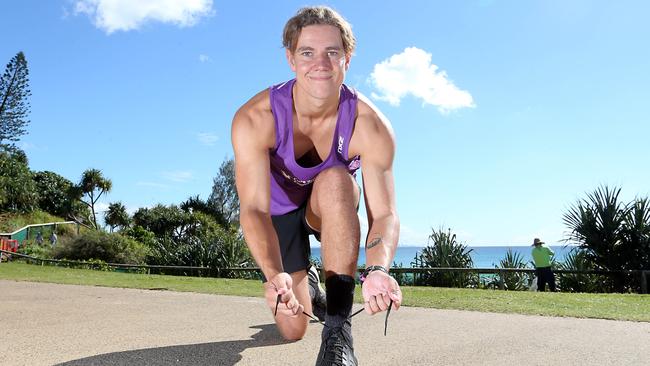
(12, 222)
(632, 307)
(221, 286)
(604, 306)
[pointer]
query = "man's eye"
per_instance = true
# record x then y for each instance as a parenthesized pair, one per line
(333, 53)
(306, 54)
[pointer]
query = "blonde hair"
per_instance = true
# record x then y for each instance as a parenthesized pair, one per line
(316, 15)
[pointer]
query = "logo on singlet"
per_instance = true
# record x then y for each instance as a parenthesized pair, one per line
(340, 148)
(295, 180)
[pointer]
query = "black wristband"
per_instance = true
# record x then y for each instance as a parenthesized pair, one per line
(370, 269)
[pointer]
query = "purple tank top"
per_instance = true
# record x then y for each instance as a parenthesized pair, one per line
(290, 182)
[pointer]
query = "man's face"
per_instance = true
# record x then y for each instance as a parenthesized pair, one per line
(319, 61)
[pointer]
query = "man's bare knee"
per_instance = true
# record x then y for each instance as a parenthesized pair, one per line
(335, 176)
(293, 336)
(292, 331)
(335, 185)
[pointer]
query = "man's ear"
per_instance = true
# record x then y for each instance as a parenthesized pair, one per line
(290, 59)
(348, 57)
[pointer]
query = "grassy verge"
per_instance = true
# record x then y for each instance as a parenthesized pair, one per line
(221, 286)
(604, 306)
(632, 307)
(11, 222)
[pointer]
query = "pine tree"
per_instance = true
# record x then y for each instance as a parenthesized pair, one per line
(224, 196)
(14, 103)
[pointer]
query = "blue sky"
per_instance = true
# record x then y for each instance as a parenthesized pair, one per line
(505, 112)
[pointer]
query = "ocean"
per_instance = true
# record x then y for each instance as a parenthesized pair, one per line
(483, 257)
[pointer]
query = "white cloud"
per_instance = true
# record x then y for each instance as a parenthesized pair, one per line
(204, 58)
(178, 176)
(207, 138)
(126, 15)
(411, 72)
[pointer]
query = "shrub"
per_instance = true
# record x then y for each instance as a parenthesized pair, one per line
(17, 189)
(53, 193)
(12, 222)
(141, 235)
(614, 234)
(164, 221)
(445, 251)
(94, 264)
(576, 260)
(202, 243)
(516, 280)
(403, 279)
(99, 245)
(33, 249)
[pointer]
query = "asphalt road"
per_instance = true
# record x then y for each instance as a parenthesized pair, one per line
(49, 324)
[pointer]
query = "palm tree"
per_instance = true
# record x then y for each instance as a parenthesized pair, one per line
(636, 235)
(444, 251)
(116, 216)
(513, 281)
(614, 235)
(92, 186)
(196, 204)
(576, 260)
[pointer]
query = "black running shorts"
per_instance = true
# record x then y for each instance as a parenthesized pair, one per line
(293, 236)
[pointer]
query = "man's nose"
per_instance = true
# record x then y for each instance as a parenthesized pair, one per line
(323, 60)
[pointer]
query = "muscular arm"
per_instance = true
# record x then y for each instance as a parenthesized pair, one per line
(253, 135)
(377, 150)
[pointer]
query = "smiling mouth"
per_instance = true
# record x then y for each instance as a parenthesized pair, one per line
(320, 77)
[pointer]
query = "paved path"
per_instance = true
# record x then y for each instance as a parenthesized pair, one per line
(47, 324)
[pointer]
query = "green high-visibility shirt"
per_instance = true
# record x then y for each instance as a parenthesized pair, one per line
(542, 256)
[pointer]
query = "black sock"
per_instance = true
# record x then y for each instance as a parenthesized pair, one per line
(340, 293)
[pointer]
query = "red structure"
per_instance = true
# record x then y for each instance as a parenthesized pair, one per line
(9, 245)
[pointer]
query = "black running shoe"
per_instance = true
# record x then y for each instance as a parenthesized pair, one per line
(336, 349)
(317, 294)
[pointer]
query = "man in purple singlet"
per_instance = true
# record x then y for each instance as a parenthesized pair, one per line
(297, 148)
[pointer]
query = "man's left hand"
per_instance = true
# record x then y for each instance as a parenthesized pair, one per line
(378, 290)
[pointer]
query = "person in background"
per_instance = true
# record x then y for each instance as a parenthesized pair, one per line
(39, 238)
(53, 238)
(542, 257)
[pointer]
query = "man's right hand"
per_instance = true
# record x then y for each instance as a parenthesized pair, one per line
(281, 284)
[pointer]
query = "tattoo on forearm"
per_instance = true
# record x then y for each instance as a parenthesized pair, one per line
(376, 241)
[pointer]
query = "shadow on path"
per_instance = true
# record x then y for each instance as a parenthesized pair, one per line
(217, 353)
